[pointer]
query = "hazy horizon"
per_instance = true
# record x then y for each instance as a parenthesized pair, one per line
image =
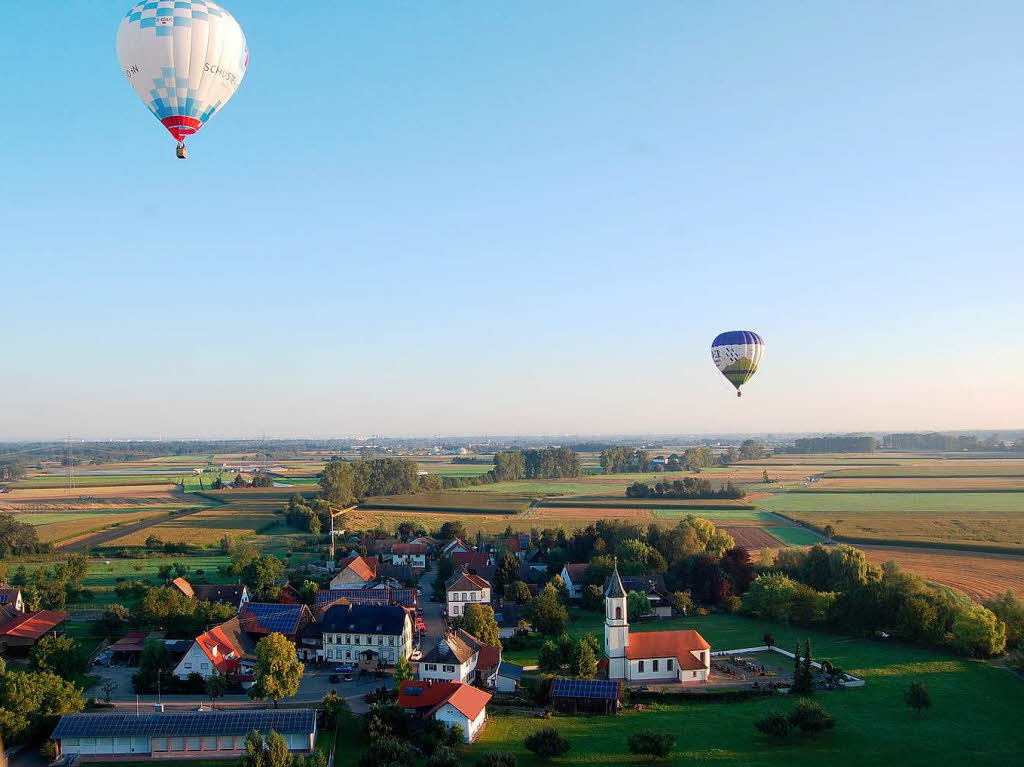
(521, 219)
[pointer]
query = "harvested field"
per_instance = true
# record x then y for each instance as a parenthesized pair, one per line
(921, 483)
(555, 513)
(977, 574)
(90, 481)
(488, 524)
(895, 502)
(753, 538)
(93, 497)
(946, 468)
(54, 527)
(452, 501)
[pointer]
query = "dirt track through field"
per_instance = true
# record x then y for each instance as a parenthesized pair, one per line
(105, 536)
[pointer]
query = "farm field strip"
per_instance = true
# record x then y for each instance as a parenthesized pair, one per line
(920, 484)
(454, 500)
(790, 535)
(752, 538)
(737, 516)
(908, 502)
(979, 575)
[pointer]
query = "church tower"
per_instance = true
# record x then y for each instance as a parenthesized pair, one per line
(616, 626)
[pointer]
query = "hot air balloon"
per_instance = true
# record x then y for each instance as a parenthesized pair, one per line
(184, 58)
(737, 354)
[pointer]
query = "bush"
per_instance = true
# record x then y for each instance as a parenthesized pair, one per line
(774, 724)
(811, 717)
(498, 759)
(917, 697)
(547, 743)
(387, 751)
(650, 743)
(443, 757)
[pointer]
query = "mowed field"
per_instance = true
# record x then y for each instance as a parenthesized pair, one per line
(977, 574)
(59, 526)
(457, 501)
(27, 499)
(968, 519)
(752, 538)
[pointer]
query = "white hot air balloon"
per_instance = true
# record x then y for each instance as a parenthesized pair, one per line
(184, 58)
(737, 354)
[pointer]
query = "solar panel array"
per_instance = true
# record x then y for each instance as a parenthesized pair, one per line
(186, 723)
(597, 689)
(386, 596)
(272, 617)
(412, 691)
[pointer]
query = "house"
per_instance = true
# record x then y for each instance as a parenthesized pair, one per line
(309, 644)
(659, 462)
(470, 560)
(658, 596)
(664, 656)
(227, 649)
(448, 702)
(464, 587)
(573, 574)
(19, 634)
(354, 572)
(426, 541)
(384, 595)
(589, 696)
(10, 596)
(288, 595)
(412, 554)
(454, 546)
(366, 634)
(177, 734)
(236, 595)
(508, 618)
(262, 618)
(508, 677)
(460, 657)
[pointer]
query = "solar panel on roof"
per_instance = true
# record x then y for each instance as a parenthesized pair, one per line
(585, 688)
(413, 691)
(185, 723)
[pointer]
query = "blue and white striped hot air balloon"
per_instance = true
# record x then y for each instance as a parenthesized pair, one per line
(184, 58)
(737, 354)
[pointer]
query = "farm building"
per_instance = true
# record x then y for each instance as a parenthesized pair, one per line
(19, 634)
(448, 702)
(189, 734)
(588, 696)
(508, 678)
(236, 595)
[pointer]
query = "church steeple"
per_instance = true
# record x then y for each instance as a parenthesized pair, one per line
(616, 625)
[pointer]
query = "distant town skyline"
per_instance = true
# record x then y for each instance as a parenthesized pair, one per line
(527, 218)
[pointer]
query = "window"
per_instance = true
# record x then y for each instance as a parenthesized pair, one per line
(159, 744)
(380, 641)
(188, 665)
(192, 744)
(209, 743)
(348, 639)
(225, 742)
(618, 613)
(177, 744)
(668, 664)
(204, 666)
(391, 641)
(449, 669)
(640, 666)
(357, 640)
(654, 665)
(330, 654)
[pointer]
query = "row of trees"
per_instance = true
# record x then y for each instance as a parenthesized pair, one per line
(49, 587)
(19, 538)
(546, 463)
(687, 488)
(345, 482)
(850, 443)
(837, 588)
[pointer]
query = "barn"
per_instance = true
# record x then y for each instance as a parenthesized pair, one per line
(585, 696)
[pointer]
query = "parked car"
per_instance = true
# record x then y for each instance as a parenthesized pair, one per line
(345, 668)
(334, 678)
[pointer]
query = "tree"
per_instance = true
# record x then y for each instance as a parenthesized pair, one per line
(593, 598)
(153, 662)
(165, 572)
(775, 724)
(768, 639)
(682, 602)
(270, 752)
(114, 618)
(637, 604)
(506, 573)
(403, 671)
(651, 743)
(31, 703)
(810, 716)
(584, 661)
(108, 687)
(750, 450)
(278, 672)
(518, 592)
(917, 697)
(547, 613)
(62, 655)
(216, 686)
(479, 621)
(1010, 610)
(444, 756)
(547, 743)
(830, 532)
(388, 751)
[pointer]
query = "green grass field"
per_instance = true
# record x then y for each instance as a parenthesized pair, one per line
(973, 720)
(98, 480)
(716, 515)
(901, 502)
(794, 536)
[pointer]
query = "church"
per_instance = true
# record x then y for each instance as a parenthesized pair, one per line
(649, 656)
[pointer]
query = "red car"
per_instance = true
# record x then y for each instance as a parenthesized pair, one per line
(421, 627)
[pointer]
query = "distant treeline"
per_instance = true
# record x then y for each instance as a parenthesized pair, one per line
(687, 488)
(845, 444)
(937, 441)
(346, 482)
(472, 459)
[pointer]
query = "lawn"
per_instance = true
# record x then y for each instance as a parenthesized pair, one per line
(972, 701)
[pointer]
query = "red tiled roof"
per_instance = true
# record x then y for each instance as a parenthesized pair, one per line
(467, 581)
(133, 641)
(665, 644)
(468, 700)
(33, 625)
(470, 559)
(408, 548)
(489, 657)
(512, 544)
(361, 566)
(184, 587)
(576, 571)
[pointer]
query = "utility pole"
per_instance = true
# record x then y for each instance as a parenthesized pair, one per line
(70, 457)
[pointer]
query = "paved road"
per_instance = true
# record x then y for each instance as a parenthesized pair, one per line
(433, 612)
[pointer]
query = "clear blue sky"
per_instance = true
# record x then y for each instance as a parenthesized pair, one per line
(452, 217)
